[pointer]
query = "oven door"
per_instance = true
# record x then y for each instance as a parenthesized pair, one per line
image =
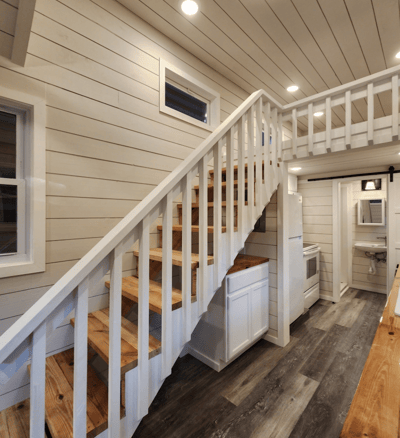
(311, 268)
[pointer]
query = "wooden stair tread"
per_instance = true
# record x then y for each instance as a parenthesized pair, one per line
(156, 254)
(195, 228)
(98, 339)
(60, 395)
(209, 204)
(14, 421)
(223, 184)
(130, 289)
(211, 172)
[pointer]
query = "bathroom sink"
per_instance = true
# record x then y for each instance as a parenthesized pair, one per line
(370, 247)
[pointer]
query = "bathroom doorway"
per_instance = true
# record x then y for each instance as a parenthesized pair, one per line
(354, 267)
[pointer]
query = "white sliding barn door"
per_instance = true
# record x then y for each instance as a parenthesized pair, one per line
(393, 220)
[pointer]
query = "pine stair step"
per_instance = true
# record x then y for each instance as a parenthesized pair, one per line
(223, 184)
(195, 228)
(211, 172)
(130, 289)
(60, 397)
(15, 421)
(98, 339)
(209, 204)
(156, 254)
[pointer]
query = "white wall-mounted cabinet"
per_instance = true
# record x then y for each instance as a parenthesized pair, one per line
(237, 317)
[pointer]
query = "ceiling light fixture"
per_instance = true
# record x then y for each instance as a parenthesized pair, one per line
(398, 55)
(292, 88)
(189, 7)
(318, 114)
(295, 168)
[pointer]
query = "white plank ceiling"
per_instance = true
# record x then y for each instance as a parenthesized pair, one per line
(272, 44)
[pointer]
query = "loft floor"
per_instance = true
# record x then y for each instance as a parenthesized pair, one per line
(303, 390)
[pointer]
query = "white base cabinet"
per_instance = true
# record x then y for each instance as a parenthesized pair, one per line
(237, 317)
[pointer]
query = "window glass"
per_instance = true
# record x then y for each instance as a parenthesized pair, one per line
(8, 155)
(8, 219)
(185, 103)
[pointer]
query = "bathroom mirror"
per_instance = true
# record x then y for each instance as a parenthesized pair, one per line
(371, 212)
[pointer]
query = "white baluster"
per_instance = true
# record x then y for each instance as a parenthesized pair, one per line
(166, 339)
(80, 359)
(294, 132)
(268, 169)
(259, 128)
(347, 99)
(274, 121)
(241, 180)
(310, 129)
(395, 107)
(187, 257)
(370, 122)
(328, 112)
(114, 366)
(229, 199)
(250, 164)
(143, 336)
(203, 236)
(38, 382)
(217, 213)
(280, 139)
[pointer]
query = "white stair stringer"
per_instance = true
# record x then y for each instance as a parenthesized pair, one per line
(129, 424)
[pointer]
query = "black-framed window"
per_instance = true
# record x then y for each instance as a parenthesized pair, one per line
(185, 103)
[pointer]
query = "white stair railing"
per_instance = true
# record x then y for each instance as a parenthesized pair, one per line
(26, 339)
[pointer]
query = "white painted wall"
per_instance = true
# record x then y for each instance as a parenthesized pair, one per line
(108, 146)
(8, 19)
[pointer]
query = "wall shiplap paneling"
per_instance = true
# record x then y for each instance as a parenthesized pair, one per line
(361, 262)
(8, 18)
(96, 65)
(317, 226)
(265, 245)
(6, 43)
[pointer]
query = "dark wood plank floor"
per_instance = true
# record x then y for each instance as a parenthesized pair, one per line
(302, 390)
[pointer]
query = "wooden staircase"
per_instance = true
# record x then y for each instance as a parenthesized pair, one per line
(60, 367)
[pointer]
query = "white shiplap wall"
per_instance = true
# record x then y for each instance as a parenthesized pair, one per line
(317, 227)
(361, 278)
(8, 19)
(108, 146)
(265, 245)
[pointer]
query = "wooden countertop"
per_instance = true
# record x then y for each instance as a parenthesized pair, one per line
(374, 412)
(244, 261)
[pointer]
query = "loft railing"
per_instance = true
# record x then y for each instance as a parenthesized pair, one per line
(351, 135)
(241, 133)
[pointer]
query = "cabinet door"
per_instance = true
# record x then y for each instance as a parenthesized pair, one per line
(259, 308)
(239, 326)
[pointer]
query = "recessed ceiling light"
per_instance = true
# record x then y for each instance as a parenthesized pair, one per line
(292, 88)
(189, 7)
(398, 55)
(295, 168)
(318, 114)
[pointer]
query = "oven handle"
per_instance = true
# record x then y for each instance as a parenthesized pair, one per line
(312, 252)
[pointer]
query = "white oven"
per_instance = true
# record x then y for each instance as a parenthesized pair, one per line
(311, 271)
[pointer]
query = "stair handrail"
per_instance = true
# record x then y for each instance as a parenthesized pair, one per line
(35, 315)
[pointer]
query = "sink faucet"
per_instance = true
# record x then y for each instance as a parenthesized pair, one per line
(385, 238)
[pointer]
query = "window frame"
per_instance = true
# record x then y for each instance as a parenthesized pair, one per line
(30, 181)
(193, 86)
